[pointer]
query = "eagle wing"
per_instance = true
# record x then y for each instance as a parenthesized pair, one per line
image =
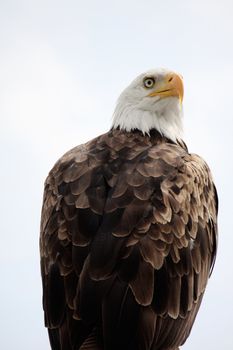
(128, 240)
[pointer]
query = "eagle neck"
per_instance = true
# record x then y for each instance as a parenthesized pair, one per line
(168, 121)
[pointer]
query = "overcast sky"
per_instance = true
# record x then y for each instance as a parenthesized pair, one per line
(62, 67)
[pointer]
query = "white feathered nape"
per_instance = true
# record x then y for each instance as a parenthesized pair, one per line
(136, 110)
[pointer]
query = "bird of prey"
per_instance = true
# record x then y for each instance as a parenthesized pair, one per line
(129, 229)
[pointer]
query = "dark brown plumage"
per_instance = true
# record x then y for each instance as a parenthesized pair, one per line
(128, 240)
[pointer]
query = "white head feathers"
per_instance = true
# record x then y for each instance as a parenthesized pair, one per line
(152, 101)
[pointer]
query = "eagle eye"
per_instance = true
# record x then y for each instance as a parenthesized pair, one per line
(149, 83)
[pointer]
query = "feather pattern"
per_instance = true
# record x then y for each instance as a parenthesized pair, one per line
(128, 240)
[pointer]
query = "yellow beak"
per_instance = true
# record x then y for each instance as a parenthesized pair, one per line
(171, 85)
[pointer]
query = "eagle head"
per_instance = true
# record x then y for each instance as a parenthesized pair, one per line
(152, 101)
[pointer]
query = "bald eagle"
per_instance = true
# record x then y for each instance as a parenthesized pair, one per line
(129, 229)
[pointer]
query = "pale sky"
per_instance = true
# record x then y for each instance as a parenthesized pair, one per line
(62, 66)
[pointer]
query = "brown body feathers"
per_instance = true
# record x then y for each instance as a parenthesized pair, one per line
(128, 240)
